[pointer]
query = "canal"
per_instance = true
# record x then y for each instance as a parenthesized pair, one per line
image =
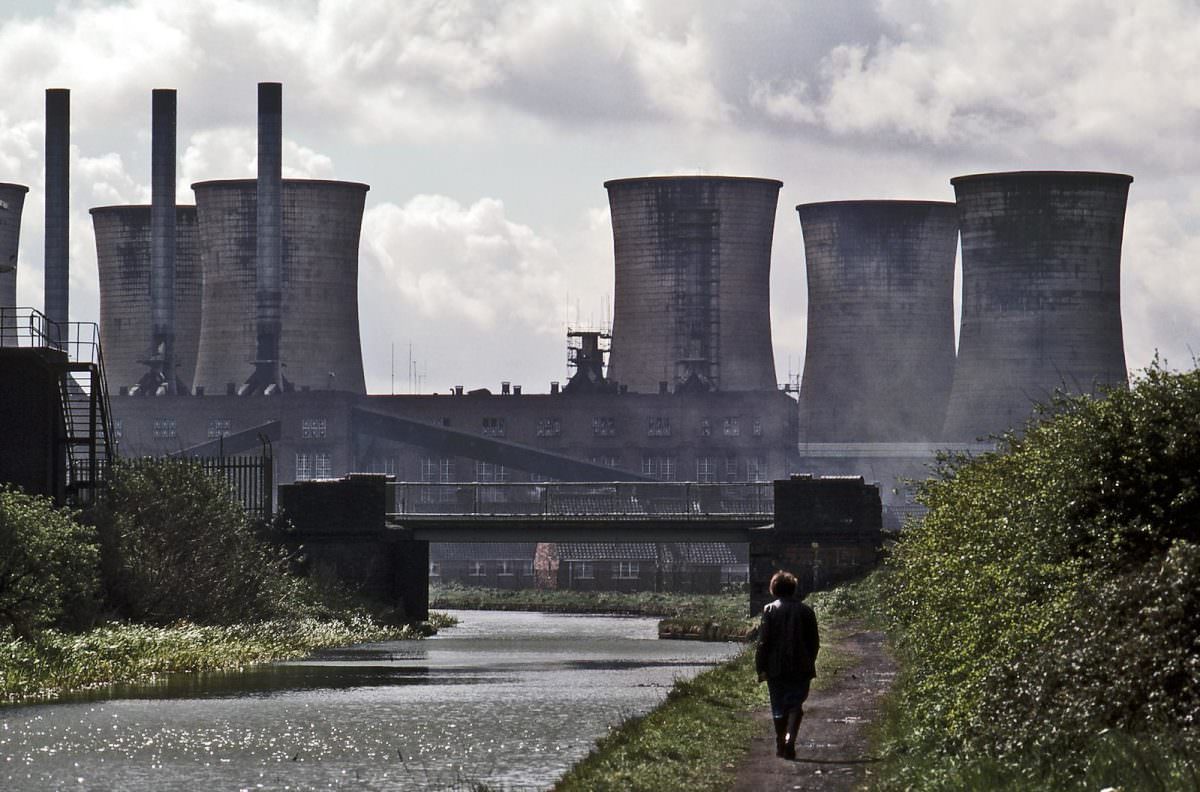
(505, 699)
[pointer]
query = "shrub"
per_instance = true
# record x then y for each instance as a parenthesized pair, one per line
(1052, 591)
(48, 565)
(176, 546)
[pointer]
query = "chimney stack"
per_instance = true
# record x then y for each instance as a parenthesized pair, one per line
(58, 203)
(162, 239)
(268, 300)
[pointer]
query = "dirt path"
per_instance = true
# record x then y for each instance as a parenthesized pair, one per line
(832, 749)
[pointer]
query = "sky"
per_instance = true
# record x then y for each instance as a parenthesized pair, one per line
(486, 129)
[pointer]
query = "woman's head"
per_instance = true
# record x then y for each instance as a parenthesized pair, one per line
(783, 584)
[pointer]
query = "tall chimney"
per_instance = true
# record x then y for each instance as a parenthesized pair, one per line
(269, 237)
(162, 238)
(58, 203)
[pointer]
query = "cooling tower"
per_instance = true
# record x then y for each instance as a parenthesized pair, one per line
(692, 297)
(1041, 308)
(12, 201)
(58, 204)
(880, 356)
(319, 340)
(123, 256)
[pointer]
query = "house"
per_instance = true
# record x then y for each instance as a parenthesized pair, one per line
(504, 565)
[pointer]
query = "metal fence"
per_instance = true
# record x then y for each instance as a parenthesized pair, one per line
(575, 498)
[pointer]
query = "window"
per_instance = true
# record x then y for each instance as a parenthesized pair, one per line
(658, 427)
(506, 568)
(706, 470)
(435, 569)
(477, 569)
(164, 428)
(606, 460)
(304, 467)
(755, 470)
(628, 570)
(705, 427)
(527, 568)
(731, 468)
(493, 427)
(437, 469)
(489, 471)
(384, 465)
(661, 468)
(549, 427)
(604, 426)
(218, 427)
(322, 466)
(730, 427)
(118, 428)
(312, 428)
(756, 427)
(583, 570)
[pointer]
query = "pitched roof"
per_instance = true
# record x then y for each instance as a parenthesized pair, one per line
(701, 553)
(607, 551)
(481, 551)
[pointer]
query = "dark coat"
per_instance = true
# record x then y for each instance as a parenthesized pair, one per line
(787, 641)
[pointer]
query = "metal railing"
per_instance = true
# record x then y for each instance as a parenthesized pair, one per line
(83, 392)
(577, 499)
(251, 480)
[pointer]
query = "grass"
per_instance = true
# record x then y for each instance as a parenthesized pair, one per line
(708, 617)
(696, 738)
(57, 662)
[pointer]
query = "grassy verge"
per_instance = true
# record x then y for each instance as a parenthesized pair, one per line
(709, 617)
(59, 662)
(695, 739)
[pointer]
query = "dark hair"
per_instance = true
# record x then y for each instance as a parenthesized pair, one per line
(783, 584)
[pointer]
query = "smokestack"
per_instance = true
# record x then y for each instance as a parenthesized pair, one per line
(12, 201)
(162, 239)
(269, 237)
(58, 203)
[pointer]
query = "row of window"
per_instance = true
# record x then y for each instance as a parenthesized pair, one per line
(586, 570)
(484, 568)
(606, 426)
(313, 466)
(709, 469)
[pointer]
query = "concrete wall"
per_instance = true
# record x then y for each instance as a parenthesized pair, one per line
(322, 221)
(1041, 309)
(693, 266)
(880, 345)
(123, 259)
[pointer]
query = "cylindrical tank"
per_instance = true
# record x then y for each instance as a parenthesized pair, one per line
(1041, 308)
(124, 260)
(693, 269)
(880, 351)
(319, 338)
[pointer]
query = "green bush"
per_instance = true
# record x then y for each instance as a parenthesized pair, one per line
(176, 546)
(48, 565)
(1051, 594)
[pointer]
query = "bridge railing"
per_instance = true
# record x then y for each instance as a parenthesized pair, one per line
(582, 498)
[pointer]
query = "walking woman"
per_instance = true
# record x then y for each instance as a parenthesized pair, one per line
(786, 658)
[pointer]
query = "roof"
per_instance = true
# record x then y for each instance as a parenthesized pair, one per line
(607, 551)
(481, 551)
(699, 553)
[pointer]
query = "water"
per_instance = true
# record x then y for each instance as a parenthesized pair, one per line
(507, 699)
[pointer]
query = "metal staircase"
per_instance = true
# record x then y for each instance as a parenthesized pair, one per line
(86, 441)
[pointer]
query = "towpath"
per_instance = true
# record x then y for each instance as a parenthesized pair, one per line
(833, 749)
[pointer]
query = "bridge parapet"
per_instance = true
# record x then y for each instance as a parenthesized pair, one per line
(562, 499)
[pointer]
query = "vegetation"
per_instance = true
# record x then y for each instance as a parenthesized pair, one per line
(710, 617)
(184, 580)
(1045, 610)
(48, 575)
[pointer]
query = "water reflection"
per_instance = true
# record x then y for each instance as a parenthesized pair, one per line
(510, 699)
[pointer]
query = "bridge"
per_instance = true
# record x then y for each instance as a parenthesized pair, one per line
(580, 511)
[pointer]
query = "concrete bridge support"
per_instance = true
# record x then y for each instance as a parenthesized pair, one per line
(827, 530)
(339, 528)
